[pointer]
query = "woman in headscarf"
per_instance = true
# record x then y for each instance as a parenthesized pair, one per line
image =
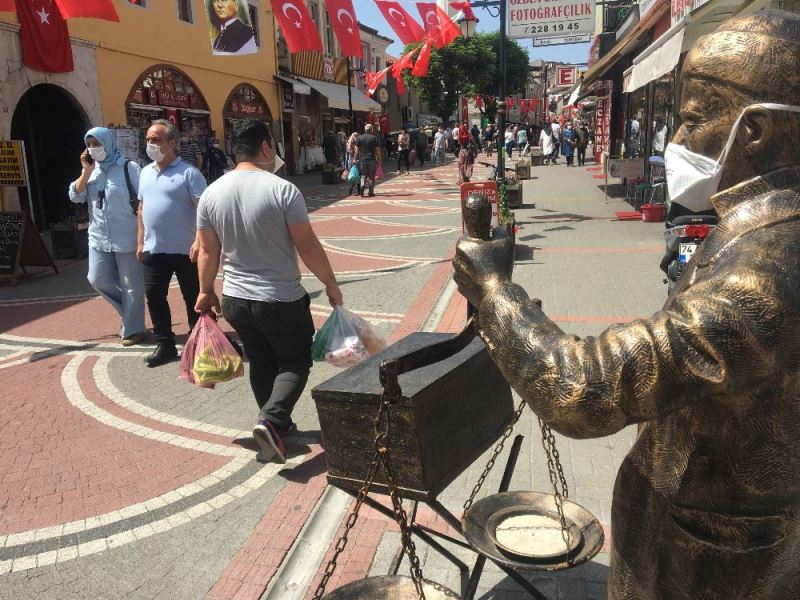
(548, 144)
(466, 161)
(109, 184)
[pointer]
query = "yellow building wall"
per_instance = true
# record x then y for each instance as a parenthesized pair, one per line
(152, 35)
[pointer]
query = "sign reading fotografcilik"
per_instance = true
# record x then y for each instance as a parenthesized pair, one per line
(550, 18)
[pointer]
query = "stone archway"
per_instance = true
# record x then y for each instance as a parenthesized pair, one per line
(52, 125)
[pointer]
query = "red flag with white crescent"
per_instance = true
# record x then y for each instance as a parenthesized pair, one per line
(404, 62)
(44, 37)
(343, 20)
(406, 28)
(439, 27)
(423, 60)
(464, 10)
(298, 29)
(401, 88)
(373, 80)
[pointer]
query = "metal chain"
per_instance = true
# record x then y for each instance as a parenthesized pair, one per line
(556, 478)
(402, 520)
(495, 453)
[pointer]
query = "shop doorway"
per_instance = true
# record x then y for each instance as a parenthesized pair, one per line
(52, 125)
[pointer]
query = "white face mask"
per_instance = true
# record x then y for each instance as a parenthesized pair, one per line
(155, 153)
(98, 153)
(693, 178)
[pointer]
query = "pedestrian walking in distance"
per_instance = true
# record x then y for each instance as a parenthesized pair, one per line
(547, 142)
(403, 150)
(256, 224)
(107, 183)
(169, 190)
(190, 151)
(367, 157)
(569, 141)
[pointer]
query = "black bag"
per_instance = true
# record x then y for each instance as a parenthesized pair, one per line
(133, 198)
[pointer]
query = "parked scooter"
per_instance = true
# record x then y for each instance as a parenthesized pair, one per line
(683, 236)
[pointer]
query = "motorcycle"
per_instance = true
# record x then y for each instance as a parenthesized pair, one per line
(683, 236)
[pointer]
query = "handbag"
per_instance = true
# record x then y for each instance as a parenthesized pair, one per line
(354, 175)
(379, 171)
(412, 156)
(132, 197)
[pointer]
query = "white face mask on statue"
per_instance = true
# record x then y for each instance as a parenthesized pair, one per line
(693, 178)
(154, 152)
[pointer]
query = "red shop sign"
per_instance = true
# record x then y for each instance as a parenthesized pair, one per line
(247, 108)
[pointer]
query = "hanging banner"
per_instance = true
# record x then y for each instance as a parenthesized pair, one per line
(229, 28)
(549, 18)
(602, 118)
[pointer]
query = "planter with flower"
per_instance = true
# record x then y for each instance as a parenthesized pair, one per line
(513, 191)
(505, 216)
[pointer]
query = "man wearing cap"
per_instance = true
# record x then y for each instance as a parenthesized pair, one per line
(707, 502)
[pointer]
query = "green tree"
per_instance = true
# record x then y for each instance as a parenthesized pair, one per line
(468, 67)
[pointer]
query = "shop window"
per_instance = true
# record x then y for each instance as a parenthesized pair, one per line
(185, 11)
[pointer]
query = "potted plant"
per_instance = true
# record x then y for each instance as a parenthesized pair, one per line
(513, 191)
(505, 216)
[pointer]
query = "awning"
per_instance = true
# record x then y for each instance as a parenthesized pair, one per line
(337, 95)
(576, 91)
(626, 44)
(297, 86)
(659, 58)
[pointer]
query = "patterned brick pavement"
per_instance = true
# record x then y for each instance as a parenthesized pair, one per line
(121, 481)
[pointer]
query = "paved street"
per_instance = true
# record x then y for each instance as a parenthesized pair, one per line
(118, 481)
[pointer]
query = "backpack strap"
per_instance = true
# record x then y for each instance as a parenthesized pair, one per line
(133, 198)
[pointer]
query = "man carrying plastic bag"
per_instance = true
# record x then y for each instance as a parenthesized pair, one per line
(256, 224)
(345, 340)
(209, 357)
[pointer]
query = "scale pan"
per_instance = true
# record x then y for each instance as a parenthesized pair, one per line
(498, 525)
(390, 587)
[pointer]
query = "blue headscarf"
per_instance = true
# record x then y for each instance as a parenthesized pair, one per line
(105, 137)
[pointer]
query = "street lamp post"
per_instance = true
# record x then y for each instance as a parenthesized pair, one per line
(351, 70)
(467, 28)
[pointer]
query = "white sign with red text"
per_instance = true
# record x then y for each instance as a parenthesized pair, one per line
(549, 18)
(566, 75)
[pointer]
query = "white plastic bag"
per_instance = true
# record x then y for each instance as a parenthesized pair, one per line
(345, 340)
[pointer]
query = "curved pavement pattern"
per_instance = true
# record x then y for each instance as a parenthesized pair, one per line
(105, 462)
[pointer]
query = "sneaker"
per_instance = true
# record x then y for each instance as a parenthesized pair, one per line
(136, 338)
(269, 440)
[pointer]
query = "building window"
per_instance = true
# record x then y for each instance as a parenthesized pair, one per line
(313, 9)
(253, 11)
(329, 47)
(185, 10)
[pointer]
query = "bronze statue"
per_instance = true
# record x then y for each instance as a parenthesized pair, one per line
(707, 503)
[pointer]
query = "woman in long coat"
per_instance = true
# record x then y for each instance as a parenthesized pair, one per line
(569, 139)
(548, 145)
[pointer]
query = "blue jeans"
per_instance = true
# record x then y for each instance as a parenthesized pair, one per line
(118, 277)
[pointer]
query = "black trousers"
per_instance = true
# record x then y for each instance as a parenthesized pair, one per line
(368, 167)
(402, 159)
(277, 340)
(158, 271)
(581, 155)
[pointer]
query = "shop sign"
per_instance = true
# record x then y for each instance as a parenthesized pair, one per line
(12, 164)
(170, 98)
(194, 101)
(602, 118)
(565, 75)
(288, 98)
(681, 8)
(488, 189)
(625, 168)
(560, 41)
(548, 18)
(630, 21)
(247, 108)
(328, 68)
(152, 96)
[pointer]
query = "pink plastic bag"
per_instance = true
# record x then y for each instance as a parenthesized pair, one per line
(379, 172)
(209, 358)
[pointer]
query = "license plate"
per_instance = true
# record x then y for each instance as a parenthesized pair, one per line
(686, 252)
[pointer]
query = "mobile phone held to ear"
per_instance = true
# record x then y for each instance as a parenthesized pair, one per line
(88, 157)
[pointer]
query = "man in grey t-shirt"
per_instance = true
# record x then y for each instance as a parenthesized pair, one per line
(256, 224)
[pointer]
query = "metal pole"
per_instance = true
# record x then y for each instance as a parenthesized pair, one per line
(501, 100)
(350, 99)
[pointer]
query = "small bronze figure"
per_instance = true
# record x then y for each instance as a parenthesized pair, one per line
(707, 503)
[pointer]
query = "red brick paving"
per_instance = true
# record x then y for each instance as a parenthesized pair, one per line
(343, 262)
(60, 465)
(378, 208)
(350, 228)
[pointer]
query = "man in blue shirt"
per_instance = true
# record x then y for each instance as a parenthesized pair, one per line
(169, 189)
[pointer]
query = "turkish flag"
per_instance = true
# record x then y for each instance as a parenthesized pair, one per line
(97, 9)
(296, 24)
(439, 27)
(423, 60)
(343, 19)
(7, 6)
(373, 80)
(401, 88)
(406, 28)
(44, 36)
(404, 62)
(464, 9)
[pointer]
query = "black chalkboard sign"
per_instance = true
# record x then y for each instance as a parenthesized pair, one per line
(12, 232)
(20, 246)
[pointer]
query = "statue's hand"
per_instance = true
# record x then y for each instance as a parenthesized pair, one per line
(481, 265)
